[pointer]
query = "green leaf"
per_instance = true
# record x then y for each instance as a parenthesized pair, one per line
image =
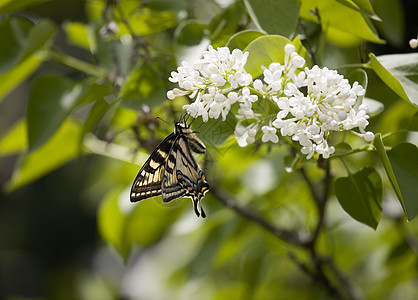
(51, 99)
(81, 35)
(224, 25)
(96, 113)
(365, 6)
(15, 140)
(145, 21)
(111, 222)
(265, 50)
(125, 225)
(154, 215)
(13, 32)
(7, 6)
(381, 152)
(40, 37)
(60, 149)
(399, 72)
(190, 40)
(241, 39)
(342, 148)
(375, 107)
(392, 26)
(340, 21)
(360, 195)
(404, 162)
(143, 86)
(274, 17)
(360, 76)
(31, 55)
(215, 133)
(413, 123)
(394, 122)
(20, 72)
(301, 50)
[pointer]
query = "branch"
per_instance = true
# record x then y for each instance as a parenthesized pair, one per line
(251, 215)
(320, 275)
(76, 64)
(353, 292)
(320, 199)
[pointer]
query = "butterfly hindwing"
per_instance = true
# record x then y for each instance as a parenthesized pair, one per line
(191, 177)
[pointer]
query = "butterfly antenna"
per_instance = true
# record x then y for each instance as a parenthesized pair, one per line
(158, 118)
(183, 117)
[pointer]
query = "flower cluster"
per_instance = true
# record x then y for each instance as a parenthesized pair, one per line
(308, 104)
(211, 81)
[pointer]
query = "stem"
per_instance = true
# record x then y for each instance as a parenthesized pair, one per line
(319, 263)
(351, 66)
(76, 64)
(283, 234)
(308, 41)
(352, 292)
(321, 276)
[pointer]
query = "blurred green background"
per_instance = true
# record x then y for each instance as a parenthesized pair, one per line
(72, 233)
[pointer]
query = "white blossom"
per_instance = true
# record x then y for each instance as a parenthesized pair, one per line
(245, 135)
(208, 80)
(413, 43)
(309, 103)
(247, 97)
(269, 134)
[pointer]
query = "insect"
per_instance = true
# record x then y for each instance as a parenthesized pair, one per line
(172, 172)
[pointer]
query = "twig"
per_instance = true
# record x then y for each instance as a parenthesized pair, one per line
(353, 292)
(308, 41)
(283, 234)
(347, 290)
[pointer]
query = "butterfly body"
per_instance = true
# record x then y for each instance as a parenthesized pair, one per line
(172, 172)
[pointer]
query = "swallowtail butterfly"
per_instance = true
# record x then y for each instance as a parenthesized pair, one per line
(172, 172)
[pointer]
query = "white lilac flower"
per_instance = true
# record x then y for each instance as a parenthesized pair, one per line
(413, 43)
(310, 103)
(327, 106)
(245, 135)
(246, 96)
(210, 79)
(269, 134)
(245, 111)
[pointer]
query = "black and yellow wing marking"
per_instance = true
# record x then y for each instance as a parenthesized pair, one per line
(170, 188)
(172, 172)
(148, 181)
(190, 176)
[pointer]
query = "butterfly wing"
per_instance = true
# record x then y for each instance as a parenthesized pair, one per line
(171, 189)
(148, 181)
(190, 176)
(172, 172)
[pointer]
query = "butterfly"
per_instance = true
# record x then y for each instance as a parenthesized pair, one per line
(172, 172)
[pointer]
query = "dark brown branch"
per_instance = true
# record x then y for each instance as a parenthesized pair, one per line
(320, 199)
(283, 234)
(353, 292)
(302, 266)
(319, 263)
(312, 187)
(308, 41)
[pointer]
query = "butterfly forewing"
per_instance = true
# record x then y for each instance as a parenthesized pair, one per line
(148, 181)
